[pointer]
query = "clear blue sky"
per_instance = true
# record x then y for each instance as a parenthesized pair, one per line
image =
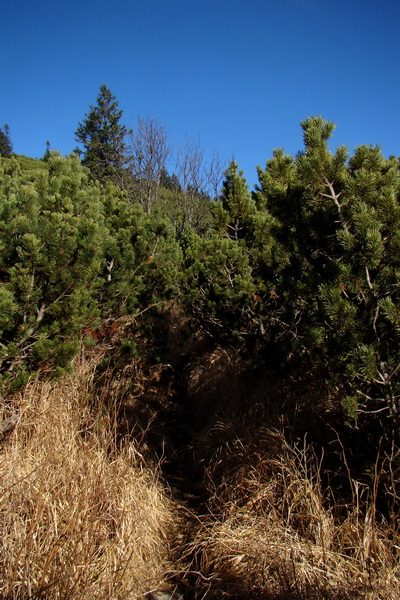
(239, 74)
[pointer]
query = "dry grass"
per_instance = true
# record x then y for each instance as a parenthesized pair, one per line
(274, 532)
(81, 515)
(273, 535)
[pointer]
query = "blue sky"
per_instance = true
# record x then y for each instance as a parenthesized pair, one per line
(238, 74)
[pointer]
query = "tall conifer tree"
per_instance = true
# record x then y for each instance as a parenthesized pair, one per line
(5, 142)
(103, 138)
(234, 214)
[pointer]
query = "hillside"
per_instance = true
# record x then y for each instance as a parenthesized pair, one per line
(203, 393)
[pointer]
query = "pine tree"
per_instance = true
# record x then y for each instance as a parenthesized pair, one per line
(218, 284)
(5, 141)
(103, 138)
(339, 292)
(51, 253)
(236, 209)
(142, 257)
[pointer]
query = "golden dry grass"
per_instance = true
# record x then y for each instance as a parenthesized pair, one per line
(274, 535)
(81, 515)
(84, 516)
(274, 532)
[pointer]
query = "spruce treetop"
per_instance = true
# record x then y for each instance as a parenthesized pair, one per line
(103, 138)
(5, 141)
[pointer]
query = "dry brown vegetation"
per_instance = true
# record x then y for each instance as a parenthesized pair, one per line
(274, 534)
(81, 515)
(275, 530)
(87, 511)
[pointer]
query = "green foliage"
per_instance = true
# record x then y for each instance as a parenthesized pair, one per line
(5, 141)
(52, 233)
(340, 221)
(185, 209)
(305, 268)
(231, 274)
(350, 408)
(233, 215)
(103, 138)
(309, 266)
(218, 283)
(71, 251)
(142, 257)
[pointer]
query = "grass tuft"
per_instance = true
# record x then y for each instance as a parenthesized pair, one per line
(274, 534)
(81, 515)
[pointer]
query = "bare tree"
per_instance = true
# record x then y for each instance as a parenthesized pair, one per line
(198, 181)
(195, 180)
(216, 170)
(150, 151)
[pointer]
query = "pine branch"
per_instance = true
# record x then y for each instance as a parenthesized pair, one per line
(335, 198)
